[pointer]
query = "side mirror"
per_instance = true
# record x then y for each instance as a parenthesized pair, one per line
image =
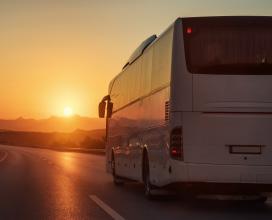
(101, 109)
(109, 109)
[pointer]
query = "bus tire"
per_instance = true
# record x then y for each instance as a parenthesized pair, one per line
(146, 177)
(116, 180)
(261, 200)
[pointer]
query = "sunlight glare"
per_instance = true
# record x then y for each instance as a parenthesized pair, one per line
(68, 111)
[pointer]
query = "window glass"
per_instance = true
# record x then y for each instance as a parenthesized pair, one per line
(228, 46)
(145, 77)
(162, 56)
(149, 72)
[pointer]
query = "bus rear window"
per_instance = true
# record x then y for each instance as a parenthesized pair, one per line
(228, 45)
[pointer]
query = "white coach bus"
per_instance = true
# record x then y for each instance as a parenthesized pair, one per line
(193, 107)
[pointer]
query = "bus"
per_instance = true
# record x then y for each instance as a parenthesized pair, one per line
(193, 108)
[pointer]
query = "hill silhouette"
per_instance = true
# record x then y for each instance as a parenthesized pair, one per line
(53, 124)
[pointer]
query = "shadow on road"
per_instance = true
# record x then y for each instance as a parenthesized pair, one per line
(181, 203)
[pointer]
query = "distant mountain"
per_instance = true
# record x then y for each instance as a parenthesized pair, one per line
(53, 124)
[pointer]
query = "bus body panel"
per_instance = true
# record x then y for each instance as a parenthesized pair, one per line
(232, 93)
(226, 120)
(142, 122)
(181, 79)
(210, 137)
(140, 125)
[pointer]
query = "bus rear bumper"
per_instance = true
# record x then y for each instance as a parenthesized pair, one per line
(221, 188)
(223, 178)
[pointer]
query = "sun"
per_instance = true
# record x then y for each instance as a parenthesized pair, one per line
(68, 111)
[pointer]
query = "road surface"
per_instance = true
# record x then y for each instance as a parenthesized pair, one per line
(45, 184)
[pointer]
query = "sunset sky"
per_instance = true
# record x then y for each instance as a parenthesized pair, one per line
(56, 54)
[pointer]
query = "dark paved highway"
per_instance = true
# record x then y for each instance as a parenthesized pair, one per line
(45, 184)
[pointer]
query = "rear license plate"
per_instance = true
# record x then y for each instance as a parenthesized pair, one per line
(245, 149)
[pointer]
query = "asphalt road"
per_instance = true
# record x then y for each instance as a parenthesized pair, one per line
(45, 184)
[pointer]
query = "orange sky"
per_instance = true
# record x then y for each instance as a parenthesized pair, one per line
(64, 52)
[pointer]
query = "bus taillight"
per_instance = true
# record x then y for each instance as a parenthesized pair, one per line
(189, 30)
(176, 144)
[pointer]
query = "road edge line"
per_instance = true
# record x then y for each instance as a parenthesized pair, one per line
(4, 157)
(106, 208)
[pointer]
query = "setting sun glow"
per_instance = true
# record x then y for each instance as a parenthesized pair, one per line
(68, 111)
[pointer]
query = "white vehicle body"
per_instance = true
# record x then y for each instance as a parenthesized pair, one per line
(198, 101)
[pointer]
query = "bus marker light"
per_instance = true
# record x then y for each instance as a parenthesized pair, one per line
(189, 30)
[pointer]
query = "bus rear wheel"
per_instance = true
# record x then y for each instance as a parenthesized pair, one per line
(260, 200)
(116, 180)
(148, 187)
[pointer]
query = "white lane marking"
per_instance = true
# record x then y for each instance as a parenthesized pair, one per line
(4, 157)
(106, 208)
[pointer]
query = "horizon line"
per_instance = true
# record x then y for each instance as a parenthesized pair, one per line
(52, 116)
